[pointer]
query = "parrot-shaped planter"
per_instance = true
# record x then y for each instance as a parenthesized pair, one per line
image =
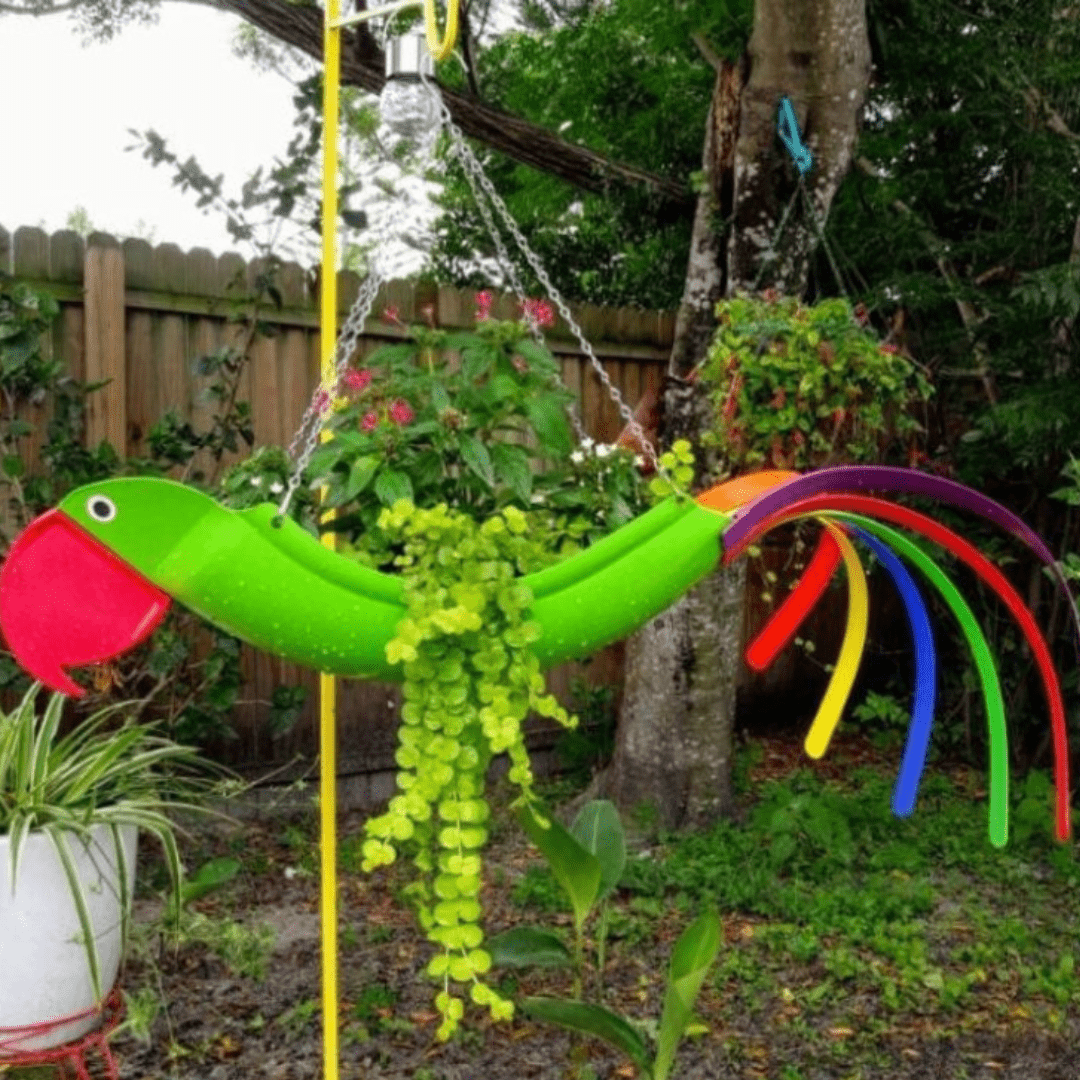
(94, 577)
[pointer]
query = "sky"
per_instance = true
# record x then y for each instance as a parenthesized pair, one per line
(67, 110)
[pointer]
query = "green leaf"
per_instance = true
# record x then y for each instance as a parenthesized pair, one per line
(391, 485)
(527, 946)
(598, 829)
(575, 869)
(511, 464)
(363, 469)
(691, 959)
(475, 455)
(210, 876)
(548, 419)
(323, 460)
(592, 1020)
(13, 465)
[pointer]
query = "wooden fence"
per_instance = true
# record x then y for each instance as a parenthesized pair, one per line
(140, 317)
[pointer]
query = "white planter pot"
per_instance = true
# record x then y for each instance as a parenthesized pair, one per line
(44, 968)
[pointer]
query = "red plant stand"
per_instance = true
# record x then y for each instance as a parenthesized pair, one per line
(70, 1058)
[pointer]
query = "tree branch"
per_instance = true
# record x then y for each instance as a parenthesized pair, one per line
(529, 144)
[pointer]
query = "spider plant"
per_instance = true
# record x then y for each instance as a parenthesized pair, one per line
(109, 770)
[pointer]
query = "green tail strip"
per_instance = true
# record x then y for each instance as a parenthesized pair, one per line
(279, 589)
(984, 662)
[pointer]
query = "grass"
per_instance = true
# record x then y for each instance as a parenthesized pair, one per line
(852, 939)
(844, 922)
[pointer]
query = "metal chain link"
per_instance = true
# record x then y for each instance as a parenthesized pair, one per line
(472, 166)
(506, 264)
(307, 436)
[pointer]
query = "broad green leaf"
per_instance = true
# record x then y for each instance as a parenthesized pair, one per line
(575, 869)
(210, 876)
(527, 946)
(548, 419)
(511, 464)
(323, 460)
(475, 455)
(691, 959)
(363, 469)
(592, 1020)
(599, 830)
(391, 485)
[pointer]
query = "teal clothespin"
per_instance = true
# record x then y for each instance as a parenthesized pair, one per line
(788, 129)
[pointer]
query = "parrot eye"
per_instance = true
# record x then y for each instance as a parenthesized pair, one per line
(100, 508)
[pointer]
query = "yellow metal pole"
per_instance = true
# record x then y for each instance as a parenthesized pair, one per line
(327, 686)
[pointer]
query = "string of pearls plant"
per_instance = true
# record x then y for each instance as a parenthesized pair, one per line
(471, 679)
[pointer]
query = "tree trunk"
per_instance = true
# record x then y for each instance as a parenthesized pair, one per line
(675, 736)
(818, 54)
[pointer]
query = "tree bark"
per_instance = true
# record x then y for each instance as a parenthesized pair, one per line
(818, 54)
(675, 736)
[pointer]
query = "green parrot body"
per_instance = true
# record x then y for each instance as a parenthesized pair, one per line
(277, 587)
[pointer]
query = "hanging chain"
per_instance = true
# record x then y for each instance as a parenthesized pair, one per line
(307, 436)
(474, 169)
(506, 264)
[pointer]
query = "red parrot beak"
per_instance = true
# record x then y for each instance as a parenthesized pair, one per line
(66, 600)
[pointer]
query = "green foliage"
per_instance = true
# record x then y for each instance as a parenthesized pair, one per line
(797, 387)
(470, 681)
(443, 418)
(691, 959)
(626, 80)
(107, 771)
(461, 419)
(884, 716)
(587, 862)
(678, 462)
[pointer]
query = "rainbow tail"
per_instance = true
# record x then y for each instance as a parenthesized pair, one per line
(836, 498)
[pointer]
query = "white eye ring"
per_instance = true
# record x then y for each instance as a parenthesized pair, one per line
(101, 508)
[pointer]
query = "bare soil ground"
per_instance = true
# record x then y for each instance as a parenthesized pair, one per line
(223, 1027)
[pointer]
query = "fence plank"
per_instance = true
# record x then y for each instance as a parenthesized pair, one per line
(31, 254)
(106, 409)
(5, 251)
(67, 257)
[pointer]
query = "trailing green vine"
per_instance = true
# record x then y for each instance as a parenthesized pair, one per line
(470, 681)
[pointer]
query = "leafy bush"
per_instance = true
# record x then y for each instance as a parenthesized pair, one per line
(798, 387)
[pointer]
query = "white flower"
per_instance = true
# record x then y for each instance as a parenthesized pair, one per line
(255, 481)
(587, 443)
(577, 457)
(276, 488)
(602, 450)
(639, 460)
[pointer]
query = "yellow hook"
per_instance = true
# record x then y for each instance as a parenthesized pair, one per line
(440, 50)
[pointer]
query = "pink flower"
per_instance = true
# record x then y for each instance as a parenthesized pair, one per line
(483, 305)
(370, 421)
(892, 350)
(400, 413)
(357, 381)
(539, 312)
(322, 401)
(390, 314)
